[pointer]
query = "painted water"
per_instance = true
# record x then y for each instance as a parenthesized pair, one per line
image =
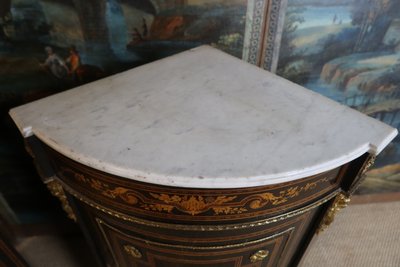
(117, 31)
(324, 55)
(328, 90)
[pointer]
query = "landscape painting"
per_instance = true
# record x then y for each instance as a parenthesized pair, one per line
(349, 50)
(47, 46)
(91, 39)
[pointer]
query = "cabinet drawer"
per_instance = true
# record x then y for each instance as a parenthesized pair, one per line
(149, 243)
(128, 250)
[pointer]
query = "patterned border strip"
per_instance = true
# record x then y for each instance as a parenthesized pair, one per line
(263, 35)
(194, 204)
(200, 227)
(274, 34)
(254, 35)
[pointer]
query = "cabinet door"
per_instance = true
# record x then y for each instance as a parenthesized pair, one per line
(128, 250)
(124, 243)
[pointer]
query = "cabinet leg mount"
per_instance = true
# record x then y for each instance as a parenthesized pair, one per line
(57, 190)
(340, 202)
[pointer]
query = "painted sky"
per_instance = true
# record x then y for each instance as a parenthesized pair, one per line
(325, 15)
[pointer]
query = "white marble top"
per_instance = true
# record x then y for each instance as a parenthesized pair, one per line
(202, 119)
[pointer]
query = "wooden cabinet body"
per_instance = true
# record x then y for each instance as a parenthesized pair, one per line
(199, 159)
(132, 223)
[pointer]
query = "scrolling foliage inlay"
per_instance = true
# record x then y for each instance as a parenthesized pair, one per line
(193, 204)
(284, 195)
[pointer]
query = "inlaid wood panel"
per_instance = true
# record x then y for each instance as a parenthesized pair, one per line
(185, 204)
(131, 223)
(123, 243)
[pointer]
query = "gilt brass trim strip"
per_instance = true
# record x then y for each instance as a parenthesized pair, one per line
(184, 227)
(100, 222)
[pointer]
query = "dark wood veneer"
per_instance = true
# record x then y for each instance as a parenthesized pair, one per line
(131, 223)
(160, 202)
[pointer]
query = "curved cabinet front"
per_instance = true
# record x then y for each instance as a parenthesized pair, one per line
(126, 240)
(129, 246)
(131, 223)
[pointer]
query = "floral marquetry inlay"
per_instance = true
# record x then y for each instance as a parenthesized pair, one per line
(194, 204)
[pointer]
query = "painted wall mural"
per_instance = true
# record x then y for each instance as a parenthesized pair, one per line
(345, 49)
(349, 50)
(47, 46)
(89, 39)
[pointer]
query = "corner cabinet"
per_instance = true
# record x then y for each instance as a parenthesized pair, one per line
(199, 160)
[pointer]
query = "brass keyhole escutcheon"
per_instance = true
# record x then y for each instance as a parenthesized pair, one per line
(134, 252)
(259, 255)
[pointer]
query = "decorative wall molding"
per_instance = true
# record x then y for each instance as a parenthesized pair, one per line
(263, 33)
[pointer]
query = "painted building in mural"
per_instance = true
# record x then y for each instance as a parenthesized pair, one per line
(350, 52)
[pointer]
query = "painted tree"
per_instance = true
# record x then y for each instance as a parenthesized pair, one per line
(293, 18)
(373, 18)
